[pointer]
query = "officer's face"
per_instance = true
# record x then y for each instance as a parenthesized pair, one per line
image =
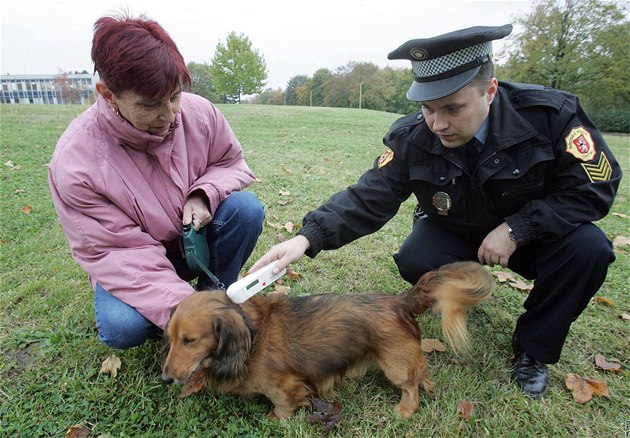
(456, 118)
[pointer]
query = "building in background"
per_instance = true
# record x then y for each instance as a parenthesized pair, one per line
(63, 88)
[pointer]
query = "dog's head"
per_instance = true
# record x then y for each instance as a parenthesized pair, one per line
(206, 331)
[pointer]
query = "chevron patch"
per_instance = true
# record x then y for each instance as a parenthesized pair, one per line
(600, 171)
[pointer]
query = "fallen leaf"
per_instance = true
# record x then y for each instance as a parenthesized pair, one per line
(77, 431)
(464, 409)
(284, 193)
(431, 345)
(27, 209)
(279, 290)
(503, 276)
(18, 191)
(287, 171)
(625, 216)
(293, 275)
(326, 414)
(275, 225)
(289, 227)
(606, 301)
(625, 316)
(9, 164)
(283, 202)
(195, 383)
(621, 241)
(521, 285)
(604, 364)
(584, 389)
(111, 365)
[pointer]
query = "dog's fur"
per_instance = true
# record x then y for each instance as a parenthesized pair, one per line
(290, 349)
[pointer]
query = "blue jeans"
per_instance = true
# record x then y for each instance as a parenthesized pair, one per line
(232, 236)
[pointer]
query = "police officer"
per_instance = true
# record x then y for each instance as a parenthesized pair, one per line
(507, 174)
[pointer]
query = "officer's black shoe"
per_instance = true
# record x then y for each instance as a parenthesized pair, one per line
(530, 374)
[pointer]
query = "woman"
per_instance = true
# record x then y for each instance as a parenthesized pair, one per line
(131, 171)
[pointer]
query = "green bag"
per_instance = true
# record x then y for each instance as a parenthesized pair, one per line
(196, 248)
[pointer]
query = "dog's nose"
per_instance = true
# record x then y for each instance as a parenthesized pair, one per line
(166, 378)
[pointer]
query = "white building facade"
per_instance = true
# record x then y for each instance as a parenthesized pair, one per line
(62, 88)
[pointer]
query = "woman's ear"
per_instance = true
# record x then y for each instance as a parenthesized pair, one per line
(109, 97)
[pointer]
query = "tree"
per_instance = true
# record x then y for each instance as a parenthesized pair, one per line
(237, 68)
(202, 84)
(290, 93)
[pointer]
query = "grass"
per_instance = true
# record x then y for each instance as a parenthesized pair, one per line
(50, 356)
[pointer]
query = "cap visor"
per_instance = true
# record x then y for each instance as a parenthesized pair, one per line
(426, 91)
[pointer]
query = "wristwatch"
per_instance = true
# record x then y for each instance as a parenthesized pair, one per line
(510, 232)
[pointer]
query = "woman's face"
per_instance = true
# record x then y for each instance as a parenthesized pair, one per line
(154, 116)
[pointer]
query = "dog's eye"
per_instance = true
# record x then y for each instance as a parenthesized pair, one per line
(186, 340)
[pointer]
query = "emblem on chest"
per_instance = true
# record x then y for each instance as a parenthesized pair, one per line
(442, 202)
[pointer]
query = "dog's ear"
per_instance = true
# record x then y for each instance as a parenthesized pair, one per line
(233, 346)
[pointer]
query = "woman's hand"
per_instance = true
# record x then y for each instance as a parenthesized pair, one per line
(196, 210)
(286, 253)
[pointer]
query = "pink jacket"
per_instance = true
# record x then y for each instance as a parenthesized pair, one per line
(119, 193)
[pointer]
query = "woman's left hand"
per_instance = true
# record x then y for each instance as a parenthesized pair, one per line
(196, 211)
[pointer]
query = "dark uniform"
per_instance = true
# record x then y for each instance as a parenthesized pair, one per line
(545, 170)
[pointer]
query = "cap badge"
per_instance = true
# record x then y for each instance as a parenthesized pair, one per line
(442, 202)
(385, 157)
(418, 54)
(580, 144)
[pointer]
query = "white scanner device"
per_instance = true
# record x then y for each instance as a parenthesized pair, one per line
(245, 288)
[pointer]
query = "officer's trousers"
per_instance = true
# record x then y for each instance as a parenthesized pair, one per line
(566, 272)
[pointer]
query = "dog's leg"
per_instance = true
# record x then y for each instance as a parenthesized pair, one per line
(406, 367)
(287, 397)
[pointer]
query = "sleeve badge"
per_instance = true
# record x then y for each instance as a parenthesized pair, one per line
(600, 171)
(580, 144)
(385, 158)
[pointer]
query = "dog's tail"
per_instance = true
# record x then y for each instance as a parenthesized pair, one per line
(450, 291)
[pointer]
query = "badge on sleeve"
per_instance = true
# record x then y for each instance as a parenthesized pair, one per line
(580, 144)
(385, 158)
(600, 171)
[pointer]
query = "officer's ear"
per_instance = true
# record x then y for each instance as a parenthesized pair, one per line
(491, 91)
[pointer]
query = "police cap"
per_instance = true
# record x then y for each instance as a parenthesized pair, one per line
(446, 63)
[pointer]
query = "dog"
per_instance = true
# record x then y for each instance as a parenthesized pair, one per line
(293, 348)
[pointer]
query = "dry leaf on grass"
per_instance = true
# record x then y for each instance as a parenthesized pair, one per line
(625, 216)
(603, 300)
(584, 389)
(193, 384)
(464, 409)
(605, 364)
(431, 345)
(111, 365)
(27, 209)
(625, 316)
(324, 413)
(77, 431)
(503, 276)
(621, 241)
(521, 285)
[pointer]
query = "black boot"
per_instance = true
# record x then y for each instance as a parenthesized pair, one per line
(530, 374)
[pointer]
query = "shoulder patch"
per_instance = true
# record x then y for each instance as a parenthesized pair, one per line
(580, 144)
(385, 158)
(600, 171)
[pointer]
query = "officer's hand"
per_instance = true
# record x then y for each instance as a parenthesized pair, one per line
(286, 253)
(497, 247)
(196, 210)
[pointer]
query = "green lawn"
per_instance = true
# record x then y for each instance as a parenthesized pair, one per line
(50, 356)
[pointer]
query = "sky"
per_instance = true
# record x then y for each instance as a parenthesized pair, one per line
(294, 37)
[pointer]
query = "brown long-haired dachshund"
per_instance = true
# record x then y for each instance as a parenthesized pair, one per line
(291, 349)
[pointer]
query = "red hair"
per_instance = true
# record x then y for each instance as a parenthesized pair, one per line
(137, 54)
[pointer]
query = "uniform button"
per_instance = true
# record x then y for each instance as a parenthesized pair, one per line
(442, 178)
(497, 161)
(516, 172)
